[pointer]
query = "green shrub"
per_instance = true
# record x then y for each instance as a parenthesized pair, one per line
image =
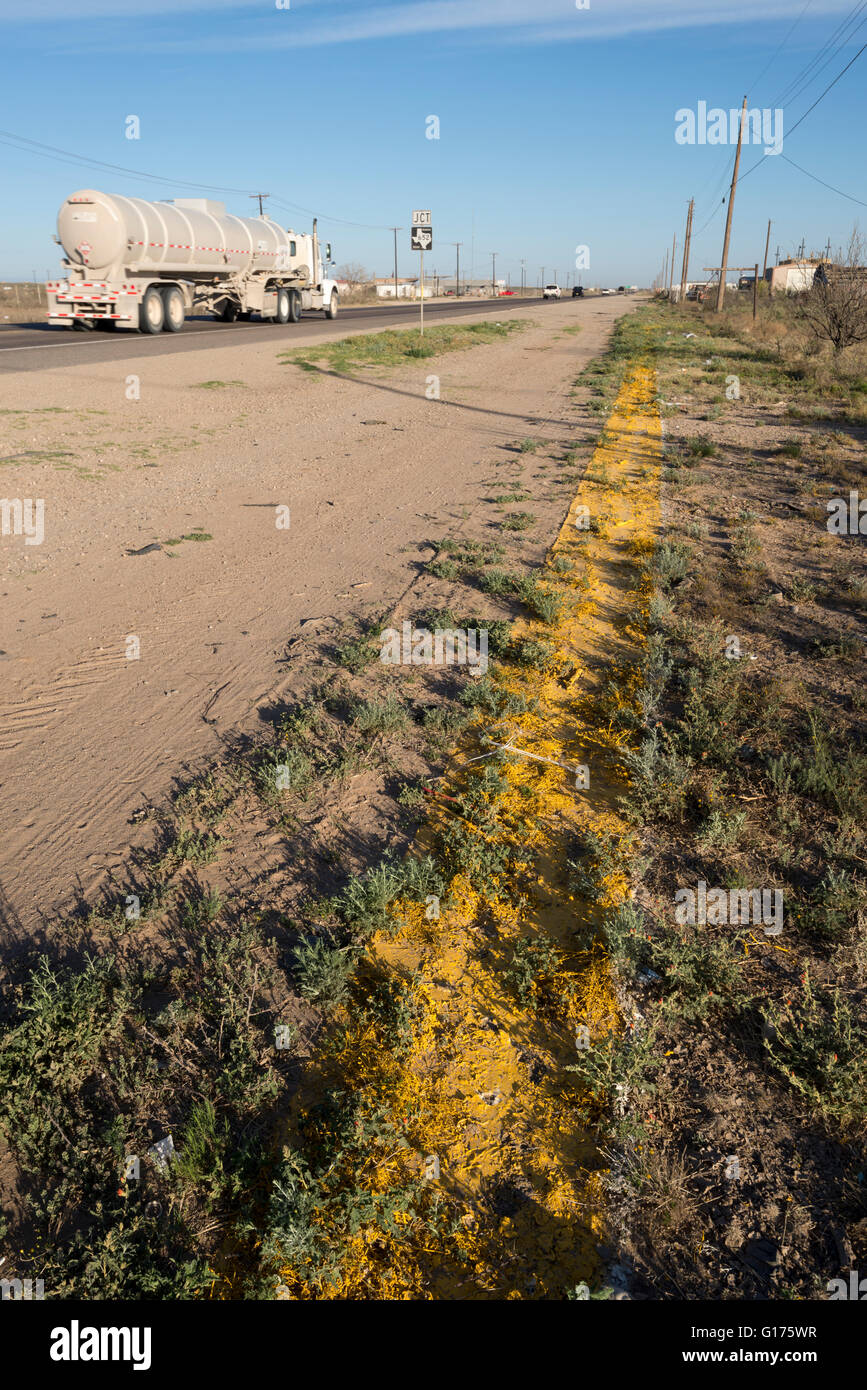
(322, 971)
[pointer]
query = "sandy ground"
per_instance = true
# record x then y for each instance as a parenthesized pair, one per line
(367, 469)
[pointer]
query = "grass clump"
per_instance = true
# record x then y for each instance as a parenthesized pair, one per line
(394, 347)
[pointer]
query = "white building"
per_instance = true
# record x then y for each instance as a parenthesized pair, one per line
(406, 289)
(792, 276)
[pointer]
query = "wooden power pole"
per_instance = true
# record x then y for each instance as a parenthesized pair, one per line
(721, 292)
(671, 271)
(687, 240)
(767, 249)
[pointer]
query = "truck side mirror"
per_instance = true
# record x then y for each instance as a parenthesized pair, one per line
(328, 250)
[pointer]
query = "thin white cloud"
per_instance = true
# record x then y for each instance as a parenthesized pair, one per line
(340, 22)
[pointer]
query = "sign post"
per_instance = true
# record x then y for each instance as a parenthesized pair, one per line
(421, 241)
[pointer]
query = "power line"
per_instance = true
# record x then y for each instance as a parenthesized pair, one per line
(801, 119)
(817, 57)
(802, 86)
(21, 142)
(816, 179)
(776, 55)
(794, 83)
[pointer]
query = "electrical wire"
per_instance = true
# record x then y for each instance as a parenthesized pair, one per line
(816, 179)
(801, 119)
(802, 86)
(829, 43)
(769, 64)
(797, 85)
(21, 142)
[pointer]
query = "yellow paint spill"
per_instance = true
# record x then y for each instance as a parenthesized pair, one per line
(483, 1086)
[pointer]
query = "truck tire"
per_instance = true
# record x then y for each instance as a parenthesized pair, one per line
(294, 306)
(333, 306)
(173, 303)
(152, 314)
(229, 312)
(284, 307)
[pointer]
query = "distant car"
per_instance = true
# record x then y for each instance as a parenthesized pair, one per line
(503, 292)
(621, 289)
(551, 292)
(577, 291)
(694, 292)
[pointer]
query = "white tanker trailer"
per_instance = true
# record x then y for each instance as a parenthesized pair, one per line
(134, 264)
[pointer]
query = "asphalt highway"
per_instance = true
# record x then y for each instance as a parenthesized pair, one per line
(34, 347)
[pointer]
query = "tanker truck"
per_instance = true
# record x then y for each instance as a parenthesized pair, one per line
(133, 264)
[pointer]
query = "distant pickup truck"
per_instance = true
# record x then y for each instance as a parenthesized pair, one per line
(746, 282)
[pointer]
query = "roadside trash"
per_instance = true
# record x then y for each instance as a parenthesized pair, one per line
(162, 1152)
(490, 1097)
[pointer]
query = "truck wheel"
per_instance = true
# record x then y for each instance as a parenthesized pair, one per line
(152, 313)
(284, 307)
(173, 302)
(294, 306)
(229, 312)
(333, 306)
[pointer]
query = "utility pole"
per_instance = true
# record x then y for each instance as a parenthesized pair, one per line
(493, 256)
(523, 278)
(260, 196)
(664, 280)
(767, 248)
(756, 293)
(671, 271)
(542, 281)
(721, 292)
(687, 240)
(457, 245)
(395, 230)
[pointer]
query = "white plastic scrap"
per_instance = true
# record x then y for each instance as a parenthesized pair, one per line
(162, 1152)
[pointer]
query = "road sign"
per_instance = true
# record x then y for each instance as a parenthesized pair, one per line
(421, 240)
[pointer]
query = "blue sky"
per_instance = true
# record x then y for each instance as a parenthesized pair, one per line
(557, 124)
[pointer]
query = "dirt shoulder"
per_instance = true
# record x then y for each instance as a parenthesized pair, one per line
(736, 1115)
(148, 451)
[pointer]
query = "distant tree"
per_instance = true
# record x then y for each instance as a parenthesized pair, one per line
(354, 274)
(836, 306)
